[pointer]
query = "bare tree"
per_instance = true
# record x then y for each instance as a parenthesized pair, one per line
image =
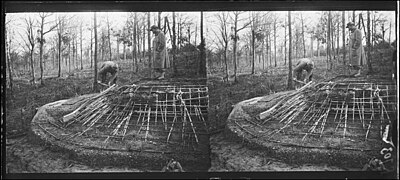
(369, 41)
(81, 43)
(254, 27)
(290, 81)
(91, 47)
(95, 85)
(302, 33)
(8, 51)
(275, 39)
(285, 41)
(159, 19)
(134, 54)
(223, 38)
(30, 43)
(202, 68)
(343, 38)
(328, 49)
(60, 32)
(235, 38)
(109, 37)
(337, 35)
(174, 43)
(149, 45)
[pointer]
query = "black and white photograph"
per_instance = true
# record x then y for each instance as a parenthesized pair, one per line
(200, 90)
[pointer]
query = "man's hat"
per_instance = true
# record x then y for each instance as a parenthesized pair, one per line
(153, 27)
(349, 24)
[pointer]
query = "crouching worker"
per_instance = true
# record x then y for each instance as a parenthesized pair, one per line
(304, 64)
(108, 67)
(172, 166)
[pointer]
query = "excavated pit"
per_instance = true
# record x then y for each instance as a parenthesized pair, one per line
(341, 122)
(141, 126)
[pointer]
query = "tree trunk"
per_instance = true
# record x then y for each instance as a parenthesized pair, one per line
(179, 34)
(343, 38)
(138, 43)
(318, 52)
(159, 20)
(328, 47)
(354, 17)
(81, 47)
(285, 43)
(91, 48)
(149, 45)
(32, 66)
(383, 31)
(311, 46)
(390, 31)
(124, 46)
(41, 52)
(304, 41)
(290, 82)
(195, 36)
(296, 44)
(253, 50)
(332, 40)
(8, 42)
(59, 54)
(174, 44)
(337, 41)
(109, 37)
(53, 56)
(117, 53)
(263, 54)
(134, 54)
(202, 68)
(270, 48)
(73, 53)
(102, 47)
(188, 34)
(234, 48)
(275, 41)
(144, 41)
(373, 30)
(95, 86)
(369, 41)
(69, 57)
(266, 50)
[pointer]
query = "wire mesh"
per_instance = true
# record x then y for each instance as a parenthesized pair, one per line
(153, 113)
(346, 114)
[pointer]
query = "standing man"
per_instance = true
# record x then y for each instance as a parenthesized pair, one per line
(304, 64)
(108, 67)
(356, 55)
(159, 52)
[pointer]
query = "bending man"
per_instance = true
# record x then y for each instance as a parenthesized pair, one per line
(108, 67)
(304, 64)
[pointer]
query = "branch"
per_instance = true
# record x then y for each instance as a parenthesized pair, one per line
(26, 43)
(244, 26)
(51, 29)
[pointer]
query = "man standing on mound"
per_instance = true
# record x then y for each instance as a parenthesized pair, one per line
(159, 52)
(356, 50)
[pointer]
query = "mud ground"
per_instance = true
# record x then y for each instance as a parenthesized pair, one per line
(23, 156)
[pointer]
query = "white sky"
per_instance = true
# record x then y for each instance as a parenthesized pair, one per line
(118, 19)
